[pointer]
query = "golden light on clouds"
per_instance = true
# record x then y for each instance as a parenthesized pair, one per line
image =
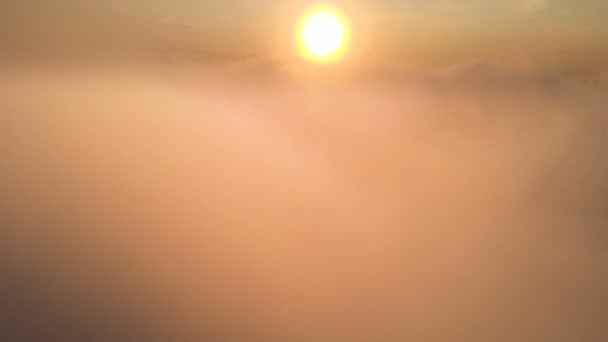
(323, 35)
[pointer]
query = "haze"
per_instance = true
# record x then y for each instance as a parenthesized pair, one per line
(175, 172)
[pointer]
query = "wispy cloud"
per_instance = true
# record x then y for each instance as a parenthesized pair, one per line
(531, 7)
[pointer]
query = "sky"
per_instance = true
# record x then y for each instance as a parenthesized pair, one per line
(421, 32)
(429, 32)
(564, 23)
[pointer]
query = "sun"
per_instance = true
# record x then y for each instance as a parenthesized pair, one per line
(323, 35)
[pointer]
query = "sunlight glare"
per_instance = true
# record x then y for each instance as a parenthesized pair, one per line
(323, 35)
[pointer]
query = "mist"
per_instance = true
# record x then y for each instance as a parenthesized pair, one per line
(201, 204)
(170, 194)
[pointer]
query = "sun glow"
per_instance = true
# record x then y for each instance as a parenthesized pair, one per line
(323, 35)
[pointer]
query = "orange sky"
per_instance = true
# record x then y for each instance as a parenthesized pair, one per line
(412, 31)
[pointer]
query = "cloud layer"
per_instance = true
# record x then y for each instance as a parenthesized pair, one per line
(143, 204)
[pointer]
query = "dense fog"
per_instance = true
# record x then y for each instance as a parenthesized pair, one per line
(210, 203)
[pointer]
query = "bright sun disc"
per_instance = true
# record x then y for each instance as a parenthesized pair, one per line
(323, 35)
